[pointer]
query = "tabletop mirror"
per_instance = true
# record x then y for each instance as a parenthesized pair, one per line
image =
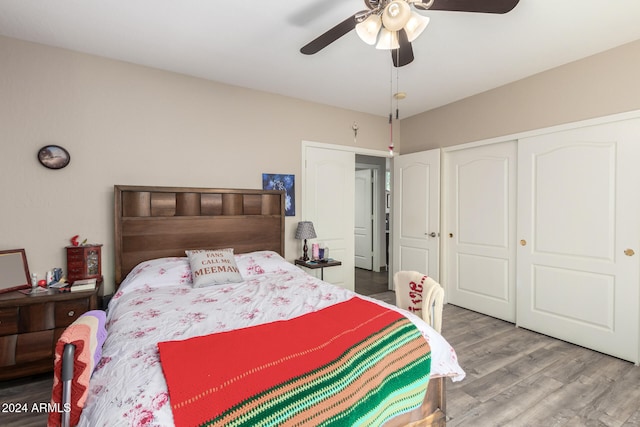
(14, 270)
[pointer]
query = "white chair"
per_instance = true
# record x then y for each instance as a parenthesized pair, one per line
(420, 295)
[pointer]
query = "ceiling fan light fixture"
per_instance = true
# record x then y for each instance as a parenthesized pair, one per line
(387, 39)
(416, 25)
(368, 29)
(396, 14)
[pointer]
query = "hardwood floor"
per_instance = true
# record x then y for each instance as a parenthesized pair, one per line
(18, 397)
(515, 377)
(369, 282)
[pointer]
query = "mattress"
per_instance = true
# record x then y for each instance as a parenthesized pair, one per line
(157, 303)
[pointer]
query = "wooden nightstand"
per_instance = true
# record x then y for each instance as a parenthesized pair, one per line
(30, 326)
(317, 264)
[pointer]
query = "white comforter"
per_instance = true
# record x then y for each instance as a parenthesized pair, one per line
(157, 302)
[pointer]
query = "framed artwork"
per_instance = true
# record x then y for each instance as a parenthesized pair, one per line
(53, 157)
(276, 181)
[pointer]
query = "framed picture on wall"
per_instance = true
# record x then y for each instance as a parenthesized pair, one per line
(278, 181)
(53, 157)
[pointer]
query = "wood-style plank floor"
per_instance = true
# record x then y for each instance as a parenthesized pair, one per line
(371, 282)
(515, 377)
(18, 397)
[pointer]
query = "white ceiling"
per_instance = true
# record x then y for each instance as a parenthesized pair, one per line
(255, 44)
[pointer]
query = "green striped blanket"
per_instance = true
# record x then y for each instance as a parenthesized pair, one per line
(351, 364)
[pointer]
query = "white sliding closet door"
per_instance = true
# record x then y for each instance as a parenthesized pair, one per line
(480, 239)
(578, 235)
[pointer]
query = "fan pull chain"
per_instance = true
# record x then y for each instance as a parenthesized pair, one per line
(391, 111)
(397, 95)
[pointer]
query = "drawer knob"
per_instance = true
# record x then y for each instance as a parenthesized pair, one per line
(71, 313)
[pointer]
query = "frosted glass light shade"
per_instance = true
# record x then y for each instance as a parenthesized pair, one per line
(368, 29)
(396, 15)
(416, 25)
(388, 40)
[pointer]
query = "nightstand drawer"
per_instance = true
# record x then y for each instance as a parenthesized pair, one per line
(68, 311)
(8, 321)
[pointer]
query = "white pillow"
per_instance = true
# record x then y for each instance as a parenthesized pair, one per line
(263, 262)
(213, 267)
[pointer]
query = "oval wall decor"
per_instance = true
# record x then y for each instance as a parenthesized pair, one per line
(53, 157)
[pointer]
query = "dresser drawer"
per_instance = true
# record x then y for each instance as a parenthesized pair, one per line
(8, 350)
(8, 321)
(31, 325)
(68, 311)
(34, 346)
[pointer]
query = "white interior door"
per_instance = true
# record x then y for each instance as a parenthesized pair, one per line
(363, 230)
(416, 213)
(480, 206)
(578, 231)
(328, 201)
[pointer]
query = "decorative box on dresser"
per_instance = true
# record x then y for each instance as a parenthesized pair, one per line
(84, 262)
(30, 326)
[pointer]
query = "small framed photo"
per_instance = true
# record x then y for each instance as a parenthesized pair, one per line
(53, 157)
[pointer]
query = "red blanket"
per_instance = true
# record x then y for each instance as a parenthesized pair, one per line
(353, 362)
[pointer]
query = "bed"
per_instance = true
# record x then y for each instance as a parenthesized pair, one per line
(167, 337)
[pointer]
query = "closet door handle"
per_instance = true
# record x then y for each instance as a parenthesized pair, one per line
(432, 234)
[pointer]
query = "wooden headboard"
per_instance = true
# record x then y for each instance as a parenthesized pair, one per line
(157, 222)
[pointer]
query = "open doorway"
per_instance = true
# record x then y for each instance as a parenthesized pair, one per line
(371, 231)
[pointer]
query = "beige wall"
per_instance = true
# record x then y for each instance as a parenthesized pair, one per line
(127, 124)
(600, 85)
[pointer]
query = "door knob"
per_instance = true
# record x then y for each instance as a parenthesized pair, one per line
(629, 252)
(432, 234)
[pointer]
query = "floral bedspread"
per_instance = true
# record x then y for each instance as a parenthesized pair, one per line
(157, 302)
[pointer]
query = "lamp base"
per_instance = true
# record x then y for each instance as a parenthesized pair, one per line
(305, 248)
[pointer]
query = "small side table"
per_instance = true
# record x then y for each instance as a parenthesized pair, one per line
(317, 264)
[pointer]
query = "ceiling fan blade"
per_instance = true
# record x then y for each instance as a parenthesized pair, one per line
(404, 54)
(482, 6)
(329, 36)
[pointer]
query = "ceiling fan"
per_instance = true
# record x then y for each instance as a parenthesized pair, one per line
(393, 25)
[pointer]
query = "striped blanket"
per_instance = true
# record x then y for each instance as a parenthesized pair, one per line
(87, 333)
(353, 363)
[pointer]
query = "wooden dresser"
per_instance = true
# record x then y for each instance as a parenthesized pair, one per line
(31, 325)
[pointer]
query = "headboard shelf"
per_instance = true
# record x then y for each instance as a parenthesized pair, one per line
(170, 202)
(155, 222)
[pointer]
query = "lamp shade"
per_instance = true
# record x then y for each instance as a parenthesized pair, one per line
(415, 26)
(388, 39)
(305, 230)
(368, 29)
(395, 15)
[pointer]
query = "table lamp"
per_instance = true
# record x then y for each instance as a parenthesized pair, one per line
(305, 231)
